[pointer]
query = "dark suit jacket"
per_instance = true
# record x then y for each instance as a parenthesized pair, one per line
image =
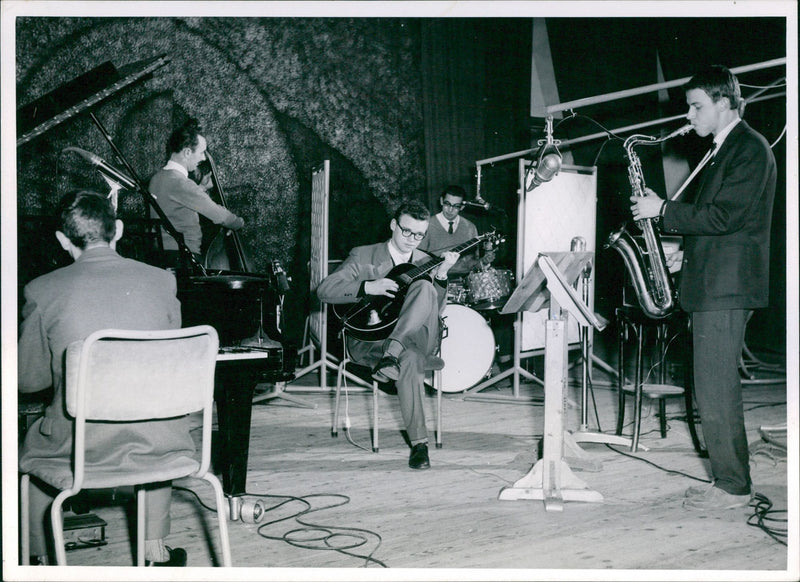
(727, 228)
(365, 263)
(99, 290)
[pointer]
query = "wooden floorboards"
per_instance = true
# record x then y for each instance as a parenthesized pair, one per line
(450, 516)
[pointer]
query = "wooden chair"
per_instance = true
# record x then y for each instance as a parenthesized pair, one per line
(125, 376)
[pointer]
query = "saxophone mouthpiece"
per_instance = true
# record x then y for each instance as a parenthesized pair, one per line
(680, 131)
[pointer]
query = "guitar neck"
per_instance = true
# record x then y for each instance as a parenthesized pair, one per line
(421, 270)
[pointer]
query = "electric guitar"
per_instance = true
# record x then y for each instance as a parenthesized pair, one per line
(373, 317)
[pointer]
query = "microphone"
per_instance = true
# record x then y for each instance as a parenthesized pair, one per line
(478, 203)
(280, 275)
(105, 168)
(549, 160)
(548, 166)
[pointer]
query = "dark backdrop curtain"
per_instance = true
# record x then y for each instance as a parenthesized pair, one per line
(476, 104)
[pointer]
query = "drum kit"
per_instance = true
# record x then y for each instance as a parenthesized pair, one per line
(468, 342)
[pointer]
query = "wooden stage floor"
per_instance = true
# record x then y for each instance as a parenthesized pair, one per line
(374, 511)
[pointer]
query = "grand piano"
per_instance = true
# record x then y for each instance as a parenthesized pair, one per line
(242, 306)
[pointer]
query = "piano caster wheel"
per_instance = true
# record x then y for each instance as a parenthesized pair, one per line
(251, 511)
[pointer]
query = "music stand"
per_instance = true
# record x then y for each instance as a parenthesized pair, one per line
(551, 479)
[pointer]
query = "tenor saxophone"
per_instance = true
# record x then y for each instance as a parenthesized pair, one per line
(647, 266)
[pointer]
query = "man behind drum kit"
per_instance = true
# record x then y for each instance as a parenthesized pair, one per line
(449, 229)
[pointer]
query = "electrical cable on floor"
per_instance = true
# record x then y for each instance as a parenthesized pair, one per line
(765, 405)
(764, 518)
(293, 537)
(359, 535)
(347, 434)
(670, 471)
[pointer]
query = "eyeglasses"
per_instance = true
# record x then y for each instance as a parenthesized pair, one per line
(458, 206)
(408, 233)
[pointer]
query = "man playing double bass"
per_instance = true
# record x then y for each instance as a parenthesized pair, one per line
(182, 199)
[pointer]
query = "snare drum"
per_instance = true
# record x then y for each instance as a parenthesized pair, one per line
(467, 348)
(489, 289)
(456, 291)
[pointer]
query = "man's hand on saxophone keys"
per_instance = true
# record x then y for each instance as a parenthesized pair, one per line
(647, 206)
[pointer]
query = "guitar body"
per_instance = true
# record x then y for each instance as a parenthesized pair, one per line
(373, 317)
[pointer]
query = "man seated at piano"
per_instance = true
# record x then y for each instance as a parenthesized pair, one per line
(449, 229)
(408, 350)
(182, 199)
(99, 290)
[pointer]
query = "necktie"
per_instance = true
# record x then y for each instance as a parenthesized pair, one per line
(450, 228)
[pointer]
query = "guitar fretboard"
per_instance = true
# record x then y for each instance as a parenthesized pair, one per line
(425, 268)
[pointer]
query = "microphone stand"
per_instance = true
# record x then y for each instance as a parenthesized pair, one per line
(583, 434)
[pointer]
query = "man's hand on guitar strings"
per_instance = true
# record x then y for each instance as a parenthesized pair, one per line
(386, 287)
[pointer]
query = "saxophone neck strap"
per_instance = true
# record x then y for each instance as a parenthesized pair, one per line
(703, 162)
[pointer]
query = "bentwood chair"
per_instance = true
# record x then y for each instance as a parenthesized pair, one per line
(124, 377)
(632, 321)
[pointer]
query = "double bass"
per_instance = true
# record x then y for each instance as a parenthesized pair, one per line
(226, 252)
(252, 298)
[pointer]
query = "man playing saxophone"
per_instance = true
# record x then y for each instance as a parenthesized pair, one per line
(725, 271)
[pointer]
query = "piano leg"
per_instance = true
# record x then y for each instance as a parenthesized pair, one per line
(235, 384)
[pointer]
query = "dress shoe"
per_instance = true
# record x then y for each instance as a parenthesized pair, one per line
(419, 457)
(177, 559)
(433, 363)
(388, 368)
(389, 388)
(716, 499)
(698, 490)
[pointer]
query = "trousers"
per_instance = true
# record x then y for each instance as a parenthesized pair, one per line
(718, 338)
(157, 520)
(418, 331)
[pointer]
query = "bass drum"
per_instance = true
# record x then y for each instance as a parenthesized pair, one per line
(467, 348)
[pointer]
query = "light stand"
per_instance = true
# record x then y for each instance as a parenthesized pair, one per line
(547, 165)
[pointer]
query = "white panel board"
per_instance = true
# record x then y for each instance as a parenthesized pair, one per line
(318, 261)
(554, 214)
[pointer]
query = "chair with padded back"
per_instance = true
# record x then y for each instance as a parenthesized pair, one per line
(362, 375)
(127, 376)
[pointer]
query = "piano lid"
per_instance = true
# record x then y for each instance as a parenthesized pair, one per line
(78, 95)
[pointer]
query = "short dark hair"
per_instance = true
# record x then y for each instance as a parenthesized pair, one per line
(413, 208)
(185, 136)
(86, 217)
(718, 82)
(454, 191)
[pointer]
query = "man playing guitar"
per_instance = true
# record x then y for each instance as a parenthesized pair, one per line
(408, 351)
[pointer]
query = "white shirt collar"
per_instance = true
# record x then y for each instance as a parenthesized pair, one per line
(173, 165)
(397, 256)
(446, 223)
(720, 137)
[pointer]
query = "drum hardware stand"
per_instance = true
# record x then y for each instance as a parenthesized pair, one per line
(515, 371)
(551, 479)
